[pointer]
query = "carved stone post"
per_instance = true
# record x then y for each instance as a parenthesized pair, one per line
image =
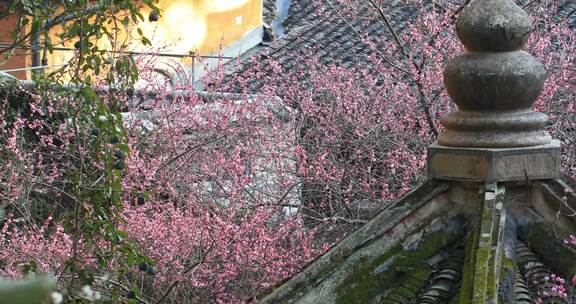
(495, 135)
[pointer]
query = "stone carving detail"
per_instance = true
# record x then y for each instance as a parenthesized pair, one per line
(495, 83)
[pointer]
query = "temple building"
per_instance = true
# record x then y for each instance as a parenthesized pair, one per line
(489, 224)
(191, 36)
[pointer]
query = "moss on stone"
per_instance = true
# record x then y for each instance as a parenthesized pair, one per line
(492, 279)
(361, 280)
(465, 293)
(479, 281)
(507, 265)
(359, 286)
(411, 283)
(334, 263)
(404, 276)
(481, 276)
(484, 282)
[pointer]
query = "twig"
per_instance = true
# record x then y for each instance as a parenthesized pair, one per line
(103, 279)
(338, 218)
(192, 268)
(386, 58)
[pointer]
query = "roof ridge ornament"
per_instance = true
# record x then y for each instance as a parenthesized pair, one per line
(494, 83)
(494, 26)
(495, 136)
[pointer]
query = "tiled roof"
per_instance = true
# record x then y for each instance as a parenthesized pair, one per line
(432, 247)
(311, 23)
(269, 11)
(318, 27)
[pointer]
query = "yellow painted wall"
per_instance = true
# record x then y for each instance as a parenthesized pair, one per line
(202, 26)
(17, 58)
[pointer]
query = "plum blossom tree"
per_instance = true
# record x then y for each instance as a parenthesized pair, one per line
(364, 127)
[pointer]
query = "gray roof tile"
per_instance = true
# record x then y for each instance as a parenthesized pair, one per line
(316, 28)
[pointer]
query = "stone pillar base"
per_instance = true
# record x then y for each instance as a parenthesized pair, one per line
(494, 164)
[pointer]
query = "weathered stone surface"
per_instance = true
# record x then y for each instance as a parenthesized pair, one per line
(466, 166)
(495, 83)
(510, 121)
(487, 130)
(494, 164)
(355, 266)
(494, 25)
(489, 249)
(394, 258)
(494, 139)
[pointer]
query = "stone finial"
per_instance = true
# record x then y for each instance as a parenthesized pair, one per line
(494, 25)
(494, 84)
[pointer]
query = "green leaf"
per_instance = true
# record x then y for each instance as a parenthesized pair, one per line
(27, 291)
(145, 41)
(89, 94)
(35, 26)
